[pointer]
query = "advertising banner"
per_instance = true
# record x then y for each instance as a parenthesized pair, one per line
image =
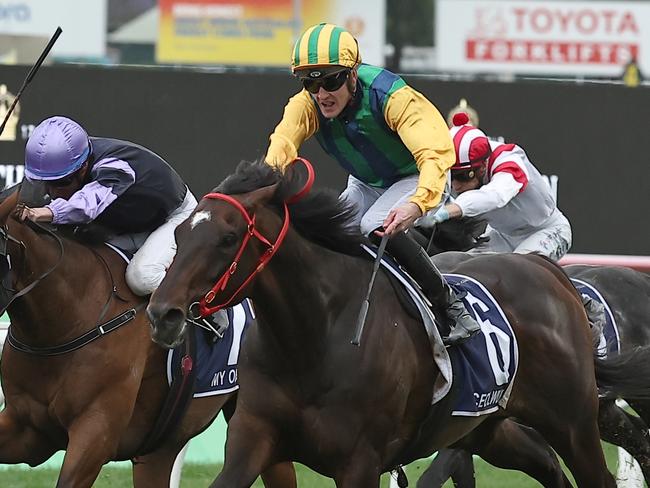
(259, 32)
(542, 37)
(83, 23)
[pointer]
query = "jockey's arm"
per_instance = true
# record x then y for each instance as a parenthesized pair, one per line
(424, 132)
(497, 193)
(110, 179)
(299, 123)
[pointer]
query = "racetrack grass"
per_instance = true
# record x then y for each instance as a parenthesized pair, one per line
(200, 475)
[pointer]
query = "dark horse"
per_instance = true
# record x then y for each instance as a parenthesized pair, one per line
(98, 402)
(627, 293)
(349, 412)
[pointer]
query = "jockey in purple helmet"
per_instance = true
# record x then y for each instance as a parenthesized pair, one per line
(124, 187)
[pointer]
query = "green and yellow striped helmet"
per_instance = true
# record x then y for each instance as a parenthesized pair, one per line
(325, 45)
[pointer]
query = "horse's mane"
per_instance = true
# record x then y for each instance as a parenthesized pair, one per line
(320, 216)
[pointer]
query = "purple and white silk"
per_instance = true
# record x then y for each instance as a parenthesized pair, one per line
(110, 178)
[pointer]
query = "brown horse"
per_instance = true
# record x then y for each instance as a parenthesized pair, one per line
(98, 402)
(352, 413)
(627, 293)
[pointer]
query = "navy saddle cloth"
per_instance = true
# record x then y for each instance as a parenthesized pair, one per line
(215, 362)
(484, 367)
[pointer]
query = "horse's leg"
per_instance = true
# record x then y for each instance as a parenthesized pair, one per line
(154, 469)
(362, 470)
(20, 443)
(577, 441)
(249, 451)
(624, 430)
(449, 463)
(93, 440)
(157, 468)
(504, 443)
(282, 475)
(642, 408)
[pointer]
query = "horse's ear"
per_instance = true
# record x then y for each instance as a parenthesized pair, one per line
(259, 197)
(7, 204)
(298, 180)
(33, 193)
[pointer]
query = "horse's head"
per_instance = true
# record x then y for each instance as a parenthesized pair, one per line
(220, 247)
(15, 236)
(460, 234)
(28, 192)
(235, 231)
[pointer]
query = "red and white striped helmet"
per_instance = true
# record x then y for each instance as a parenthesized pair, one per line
(471, 144)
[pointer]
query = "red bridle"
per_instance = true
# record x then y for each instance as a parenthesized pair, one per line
(203, 305)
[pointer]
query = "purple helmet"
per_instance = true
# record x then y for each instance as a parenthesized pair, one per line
(57, 148)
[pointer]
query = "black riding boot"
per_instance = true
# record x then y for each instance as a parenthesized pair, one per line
(414, 259)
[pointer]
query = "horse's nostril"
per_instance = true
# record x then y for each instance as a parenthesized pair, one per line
(165, 316)
(167, 324)
(174, 316)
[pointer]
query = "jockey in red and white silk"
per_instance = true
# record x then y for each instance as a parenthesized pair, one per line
(498, 182)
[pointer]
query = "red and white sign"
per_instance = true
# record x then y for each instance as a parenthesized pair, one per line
(542, 37)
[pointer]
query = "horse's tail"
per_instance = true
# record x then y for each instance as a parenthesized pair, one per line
(624, 375)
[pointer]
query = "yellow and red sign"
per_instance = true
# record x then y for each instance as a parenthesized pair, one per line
(258, 32)
(222, 31)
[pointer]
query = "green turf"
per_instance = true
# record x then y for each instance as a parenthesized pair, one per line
(200, 475)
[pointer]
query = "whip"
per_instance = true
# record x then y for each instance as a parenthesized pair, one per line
(361, 321)
(31, 74)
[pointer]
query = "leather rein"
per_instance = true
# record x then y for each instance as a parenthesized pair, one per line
(98, 331)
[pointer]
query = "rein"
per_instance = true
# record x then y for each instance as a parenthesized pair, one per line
(5, 236)
(203, 306)
(78, 342)
(87, 337)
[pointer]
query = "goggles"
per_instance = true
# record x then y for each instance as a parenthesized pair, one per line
(61, 183)
(329, 83)
(65, 181)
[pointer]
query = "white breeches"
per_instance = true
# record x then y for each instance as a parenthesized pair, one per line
(155, 250)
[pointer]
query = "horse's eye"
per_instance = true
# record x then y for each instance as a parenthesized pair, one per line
(229, 240)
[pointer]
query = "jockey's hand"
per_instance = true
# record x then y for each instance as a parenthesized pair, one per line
(449, 211)
(40, 214)
(441, 215)
(401, 218)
